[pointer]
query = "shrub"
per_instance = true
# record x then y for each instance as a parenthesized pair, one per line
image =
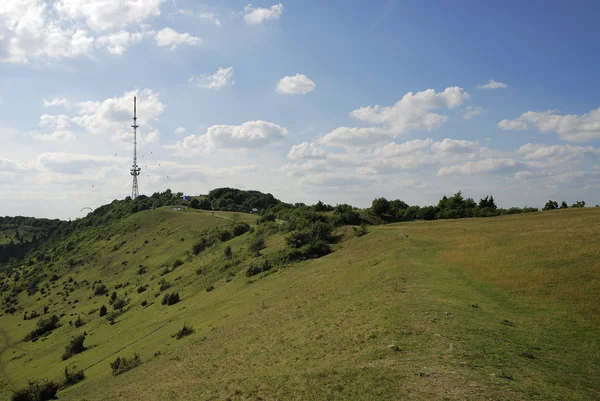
(199, 271)
(240, 228)
(122, 364)
(92, 311)
(141, 289)
(79, 322)
(225, 235)
(255, 269)
(361, 230)
(228, 253)
(170, 299)
(73, 377)
(164, 284)
(103, 310)
(37, 391)
(177, 263)
(201, 245)
(186, 330)
(44, 326)
(100, 290)
(257, 243)
(75, 347)
(119, 304)
(210, 288)
(142, 270)
(113, 296)
(144, 303)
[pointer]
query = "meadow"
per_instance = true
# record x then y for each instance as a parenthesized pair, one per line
(502, 308)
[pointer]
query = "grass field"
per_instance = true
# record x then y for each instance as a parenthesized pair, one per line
(442, 310)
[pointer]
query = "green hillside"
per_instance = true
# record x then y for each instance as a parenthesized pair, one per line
(502, 308)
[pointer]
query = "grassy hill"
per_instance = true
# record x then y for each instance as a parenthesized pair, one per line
(502, 308)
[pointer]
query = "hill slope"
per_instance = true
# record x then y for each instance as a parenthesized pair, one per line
(500, 308)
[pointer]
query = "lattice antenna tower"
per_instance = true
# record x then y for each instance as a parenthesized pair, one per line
(135, 170)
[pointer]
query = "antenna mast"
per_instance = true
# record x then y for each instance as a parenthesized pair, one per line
(135, 170)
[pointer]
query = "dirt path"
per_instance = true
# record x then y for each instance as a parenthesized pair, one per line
(6, 347)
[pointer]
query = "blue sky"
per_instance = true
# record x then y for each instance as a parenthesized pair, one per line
(336, 101)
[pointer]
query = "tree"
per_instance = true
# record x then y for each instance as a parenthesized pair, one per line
(564, 205)
(397, 205)
(195, 204)
(578, 204)
(103, 310)
(204, 204)
(380, 206)
(228, 253)
(551, 205)
(119, 304)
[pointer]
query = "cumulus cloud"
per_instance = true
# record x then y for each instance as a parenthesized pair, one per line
(395, 149)
(512, 125)
(492, 84)
(179, 130)
(414, 112)
(113, 115)
(569, 127)
(255, 16)
(220, 79)
(250, 134)
(559, 153)
(168, 37)
(57, 101)
(210, 17)
(35, 29)
(469, 112)
(103, 15)
(306, 150)
(59, 122)
(118, 42)
(455, 146)
(298, 83)
(490, 165)
(59, 135)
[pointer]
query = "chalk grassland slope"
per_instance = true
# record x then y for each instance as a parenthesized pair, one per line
(477, 309)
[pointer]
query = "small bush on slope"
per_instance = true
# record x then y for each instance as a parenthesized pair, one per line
(122, 364)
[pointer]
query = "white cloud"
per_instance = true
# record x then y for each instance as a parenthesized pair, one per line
(344, 136)
(35, 29)
(114, 115)
(395, 149)
(414, 112)
(118, 42)
(103, 15)
(210, 17)
(254, 16)
(569, 127)
(58, 135)
(298, 83)
(28, 31)
(221, 78)
(492, 85)
(490, 165)
(250, 134)
(57, 101)
(60, 122)
(168, 37)
(559, 153)
(455, 146)
(179, 130)
(512, 125)
(470, 112)
(306, 150)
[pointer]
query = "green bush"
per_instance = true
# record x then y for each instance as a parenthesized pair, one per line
(119, 304)
(74, 347)
(37, 391)
(186, 330)
(257, 243)
(228, 253)
(177, 263)
(142, 288)
(170, 299)
(240, 228)
(257, 268)
(100, 290)
(361, 230)
(79, 322)
(164, 284)
(122, 364)
(44, 326)
(103, 310)
(73, 377)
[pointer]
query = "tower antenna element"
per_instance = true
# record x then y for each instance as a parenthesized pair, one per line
(135, 170)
